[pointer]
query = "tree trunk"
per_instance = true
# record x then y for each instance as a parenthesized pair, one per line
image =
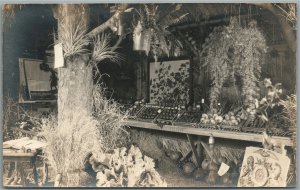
(75, 80)
(74, 88)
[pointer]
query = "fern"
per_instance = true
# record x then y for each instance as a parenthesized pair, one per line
(157, 22)
(233, 50)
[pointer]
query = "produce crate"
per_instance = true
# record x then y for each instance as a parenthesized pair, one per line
(219, 127)
(168, 114)
(192, 117)
(149, 112)
(134, 111)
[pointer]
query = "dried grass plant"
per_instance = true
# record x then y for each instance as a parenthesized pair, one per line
(69, 143)
(9, 10)
(73, 37)
(290, 110)
(289, 11)
(9, 116)
(109, 120)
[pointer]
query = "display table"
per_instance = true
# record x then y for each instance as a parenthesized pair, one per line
(11, 155)
(196, 146)
(20, 151)
(189, 129)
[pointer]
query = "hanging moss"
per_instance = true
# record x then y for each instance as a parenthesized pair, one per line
(232, 51)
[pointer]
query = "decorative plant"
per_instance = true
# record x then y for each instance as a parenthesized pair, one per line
(10, 108)
(109, 120)
(290, 109)
(102, 50)
(289, 11)
(69, 144)
(77, 33)
(232, 51)
(170, 86)
(127, 168)
(152, 29)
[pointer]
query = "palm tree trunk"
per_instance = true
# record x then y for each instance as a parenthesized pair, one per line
(74, 89)
(75, 80)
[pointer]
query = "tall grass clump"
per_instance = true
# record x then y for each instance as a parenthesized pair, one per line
(10, 116)
(109, 120)
(68, 144)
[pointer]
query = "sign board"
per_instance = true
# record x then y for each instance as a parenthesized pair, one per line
(34, 83)
(58, 56)
(263, 168)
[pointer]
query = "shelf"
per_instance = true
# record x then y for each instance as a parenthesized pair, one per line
(207, 132)
(36, 101)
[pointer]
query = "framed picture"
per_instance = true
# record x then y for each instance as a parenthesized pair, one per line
(35, 80)
(169, 82)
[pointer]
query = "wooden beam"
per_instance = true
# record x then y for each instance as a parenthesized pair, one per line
(188, 154)
(194, 150)
(109, 23)
(207, 22)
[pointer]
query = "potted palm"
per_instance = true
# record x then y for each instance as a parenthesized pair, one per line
(151, 31)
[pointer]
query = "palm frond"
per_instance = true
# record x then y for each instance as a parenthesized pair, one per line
(73, 38)
(102, 49)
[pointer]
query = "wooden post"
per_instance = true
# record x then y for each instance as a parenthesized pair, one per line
(198, 162)
(199, 150)
(142, 74)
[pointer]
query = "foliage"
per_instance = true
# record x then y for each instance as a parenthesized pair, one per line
(154, 24)
(69, 142)
(73, 37)
(128, 168)
(10, 116)
(290, 109)
(289, 11)
(234, 51)
(109, 120)
(170, 86)
(103, 51)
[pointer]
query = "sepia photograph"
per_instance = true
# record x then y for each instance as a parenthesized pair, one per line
(149, 95)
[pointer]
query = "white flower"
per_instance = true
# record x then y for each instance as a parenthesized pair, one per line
(267, 82)
(264, 100)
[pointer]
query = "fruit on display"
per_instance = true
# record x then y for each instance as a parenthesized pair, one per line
(212, 177)
(213, 166)
(188, 168)
(175, 155)
(134, 110)
(221, 160)
(217, 119)
(189, 116)
(200, 174)
(225, 179)
(205, 164)
(168, 113)
(149, 112)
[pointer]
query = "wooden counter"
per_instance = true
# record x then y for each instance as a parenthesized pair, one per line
(206, 132)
